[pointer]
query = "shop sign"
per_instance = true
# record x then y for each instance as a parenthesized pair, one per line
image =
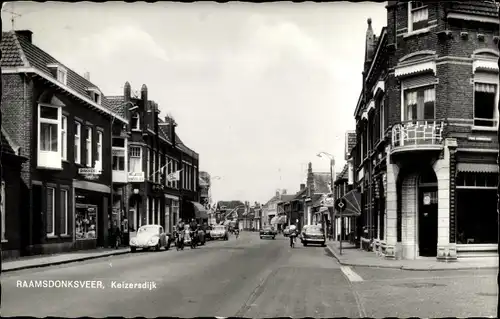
(90, 173)
(136, 177)
(328, 202)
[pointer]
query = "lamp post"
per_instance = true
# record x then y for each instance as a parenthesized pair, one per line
(210, 195)
(333, 177)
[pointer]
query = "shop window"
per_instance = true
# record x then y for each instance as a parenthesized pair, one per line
(418, 16)
(476, 224)
(50, 211)
(485, 96)
(78, 133)
(49, 133)
(135, 159)
(64, 212)
(2, 208)
(86, 222)
(476, 180)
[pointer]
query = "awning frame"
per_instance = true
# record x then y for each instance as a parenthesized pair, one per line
(477, 168)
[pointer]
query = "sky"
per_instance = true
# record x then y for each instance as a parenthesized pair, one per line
(257, 90)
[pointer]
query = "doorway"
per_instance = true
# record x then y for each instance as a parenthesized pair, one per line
(428, 214)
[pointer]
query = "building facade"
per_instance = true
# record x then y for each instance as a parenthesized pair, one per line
(156, 175)
(62, 125)
(426, 123)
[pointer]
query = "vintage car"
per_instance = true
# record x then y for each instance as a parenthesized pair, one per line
(313, 234)
(268, 232)
(150, 237)
(219, 232)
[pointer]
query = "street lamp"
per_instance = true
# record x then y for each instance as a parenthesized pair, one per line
(333, 177)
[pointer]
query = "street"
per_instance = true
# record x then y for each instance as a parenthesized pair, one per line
(249, 277)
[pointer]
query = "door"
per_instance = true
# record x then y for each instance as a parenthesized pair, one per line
(428, 221)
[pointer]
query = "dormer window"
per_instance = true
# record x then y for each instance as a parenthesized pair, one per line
(59, 72)
(95, 95)
(135, 123)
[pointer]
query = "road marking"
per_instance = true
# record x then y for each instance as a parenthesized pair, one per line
(350, 274)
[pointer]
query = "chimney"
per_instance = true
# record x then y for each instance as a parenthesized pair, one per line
(302, 187)
(284, 191)
(26, 35)
(277, 193)
(369, 44)
(86, 75)
(144, 98)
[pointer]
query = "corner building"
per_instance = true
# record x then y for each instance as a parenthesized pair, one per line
(426, 123)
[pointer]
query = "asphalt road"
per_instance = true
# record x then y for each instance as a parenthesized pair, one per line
(247, 277)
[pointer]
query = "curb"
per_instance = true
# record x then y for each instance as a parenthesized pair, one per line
(55, 263)
(408, 268)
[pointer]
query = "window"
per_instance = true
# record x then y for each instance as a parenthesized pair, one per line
(64, 212)
(99, 147)
(153, 212)
(2, 207)
(153, 153)
(64, 137)
(49, 118)
(148, 168)
(135, 159)
(485, 96)
(50, 213)
(97, 98)
(88, 147)
(419, 104)
(382, 118)
(85, 222)
(148, 212)
(118, 154)
(135, 123)
(418, 16)
(78, 133)
(61, 75)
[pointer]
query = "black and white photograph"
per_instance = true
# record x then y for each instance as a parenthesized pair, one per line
(254, 160)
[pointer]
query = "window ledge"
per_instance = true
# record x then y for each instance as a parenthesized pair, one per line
(484, 129)
(52, 236)
(136, 130)
(49, 168)
(4, 241)
(417, 32)
(65, 160)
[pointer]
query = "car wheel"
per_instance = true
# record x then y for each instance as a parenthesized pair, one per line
(304, 243)
(157, 247)
(274, 237)
(133, 249)
(323, 245)
(261, 237)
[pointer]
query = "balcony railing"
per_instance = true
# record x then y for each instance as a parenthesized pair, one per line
(418, 133)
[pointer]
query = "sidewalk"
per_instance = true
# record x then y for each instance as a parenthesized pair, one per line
(58, 259)
(352, 256)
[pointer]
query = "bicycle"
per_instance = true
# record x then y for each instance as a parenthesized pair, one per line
(292, 240)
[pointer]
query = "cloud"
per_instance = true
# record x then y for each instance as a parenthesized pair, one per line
(121, 39)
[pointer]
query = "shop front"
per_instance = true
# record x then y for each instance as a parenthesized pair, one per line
(91, 216)
(171, 213)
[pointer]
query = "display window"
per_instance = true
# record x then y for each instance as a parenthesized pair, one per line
(86, 222)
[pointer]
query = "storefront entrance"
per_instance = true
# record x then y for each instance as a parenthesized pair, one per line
(427, 213)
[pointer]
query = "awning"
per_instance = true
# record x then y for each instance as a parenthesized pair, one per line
(274, 220)
(477, 168)
(199, 210)
(353, 200)
(282, 220)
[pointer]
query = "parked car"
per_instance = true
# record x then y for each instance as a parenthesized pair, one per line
(150, 237)
(268, 232)
(219, 232)
(286, 231)
(313, 234)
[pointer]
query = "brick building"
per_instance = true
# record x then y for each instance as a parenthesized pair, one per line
(62, 125)
(426, 123)
(143, 160)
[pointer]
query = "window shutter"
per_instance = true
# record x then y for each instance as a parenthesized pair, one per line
(424, 79)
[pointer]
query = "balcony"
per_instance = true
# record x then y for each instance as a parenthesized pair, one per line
(417, 135)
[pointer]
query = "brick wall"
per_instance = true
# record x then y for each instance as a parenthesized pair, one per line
(17, 115)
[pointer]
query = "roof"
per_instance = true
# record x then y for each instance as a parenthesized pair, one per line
(482, 8)
(301, 193)
(18, 51)
(344, 174)
(322, 183)
(286, 198)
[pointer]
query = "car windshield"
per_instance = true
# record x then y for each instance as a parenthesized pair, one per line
(148, 229)
(314, 230)
(219, 228)
(267, 228)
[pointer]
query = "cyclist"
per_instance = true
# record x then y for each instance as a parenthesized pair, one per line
(293, 234)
